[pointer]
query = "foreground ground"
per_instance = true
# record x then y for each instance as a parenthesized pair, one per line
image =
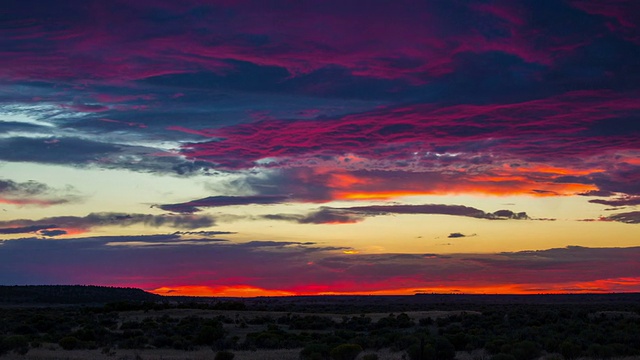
(411, 328)
(282, 354)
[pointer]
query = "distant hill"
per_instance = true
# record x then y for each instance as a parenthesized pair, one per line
(71, 294)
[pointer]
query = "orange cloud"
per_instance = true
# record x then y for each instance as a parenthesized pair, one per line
(486, 186)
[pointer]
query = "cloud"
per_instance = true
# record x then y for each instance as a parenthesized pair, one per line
(52, 233)
(34, 193)
(322, 216)
(60, 225)
(618, 11)
(157, 261)
(25, 229)
(103, 153)
(426, 97)
(54, 150)
(632, 217)
(618, 201)
(204, 233)
(456, 235)
(463, 129)
(438, 209)
(216, 201)
(597, 193)
(488, 148)
(350, 215)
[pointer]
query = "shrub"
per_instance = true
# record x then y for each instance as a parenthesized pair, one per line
(525, 350)
(315, 351)
(346, 352)
(427, 352)
(209, 334)
(503, 356)
(69, 342)
(444, 349)
(17, 343)
(224, 355)
(570, 350)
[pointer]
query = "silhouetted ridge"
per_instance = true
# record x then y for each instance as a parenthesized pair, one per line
(72, 294)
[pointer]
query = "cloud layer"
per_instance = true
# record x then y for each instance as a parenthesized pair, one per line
(34, 193)
(254, 110)
(155, 262)
(328, 215)
(62, 225)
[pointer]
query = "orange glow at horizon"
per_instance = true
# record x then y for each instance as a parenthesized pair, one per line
(595, 286)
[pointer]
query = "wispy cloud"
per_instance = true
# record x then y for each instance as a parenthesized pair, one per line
(618, 201)
(61, 225)
(349, 215)
(35, 193)
(632, 217)
(217, 201)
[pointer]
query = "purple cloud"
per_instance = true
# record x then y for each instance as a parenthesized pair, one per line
(77, 224)
(349, 215)
(216, 201)
(154, 262)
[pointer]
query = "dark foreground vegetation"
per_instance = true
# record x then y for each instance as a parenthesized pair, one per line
(419, 327)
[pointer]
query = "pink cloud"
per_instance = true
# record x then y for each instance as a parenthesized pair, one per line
(620, 13)
(521, 128)
(543, 147)
(359, 39)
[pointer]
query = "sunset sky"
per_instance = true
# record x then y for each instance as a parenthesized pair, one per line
(250, 148)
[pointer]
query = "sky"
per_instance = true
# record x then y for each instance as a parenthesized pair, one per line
(263, 148)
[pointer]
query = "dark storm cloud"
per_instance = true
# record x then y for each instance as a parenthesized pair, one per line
(216, 201)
